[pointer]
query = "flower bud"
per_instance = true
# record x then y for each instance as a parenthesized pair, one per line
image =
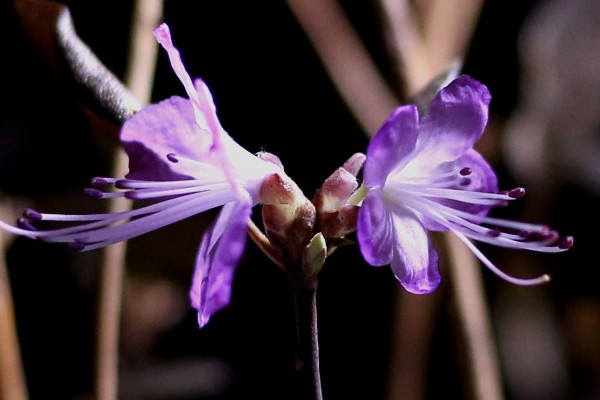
(313, 259)
(288, 216)
(336, 217)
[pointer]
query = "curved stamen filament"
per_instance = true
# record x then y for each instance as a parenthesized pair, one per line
(517, 281)
(192, 205)
(479, 233)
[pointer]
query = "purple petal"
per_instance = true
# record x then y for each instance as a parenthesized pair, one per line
(390, 147)
(454, 120)
(160, 129)
(198, 92)
(415, 261)
(482, 177)
(220, 251)
(375, 231)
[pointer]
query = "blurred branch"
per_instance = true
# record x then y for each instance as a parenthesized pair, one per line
(346, 60)
(12, 377)
(474, 319)
(448, 26)
(409, 46)
(142, 53)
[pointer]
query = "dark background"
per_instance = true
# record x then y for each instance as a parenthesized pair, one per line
(272, 94)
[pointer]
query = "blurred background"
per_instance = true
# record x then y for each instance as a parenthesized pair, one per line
(538, 58)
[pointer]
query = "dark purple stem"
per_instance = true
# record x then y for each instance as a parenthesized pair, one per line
(307, 365)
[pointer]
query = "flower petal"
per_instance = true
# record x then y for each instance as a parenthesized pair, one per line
(390, 147)
(374, 230)
(415, 261)
(220, 251)
(454, 120)
(482, 177)
(160, 129)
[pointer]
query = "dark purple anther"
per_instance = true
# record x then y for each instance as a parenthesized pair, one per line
(517, 193)
(31, 214)
(493, 232)
(77, 246)
(466, 171)
(172, 157)
(566, 243)
(93, 192)
(98, 181)
(465, 182)
(24, 223)
(121, 184)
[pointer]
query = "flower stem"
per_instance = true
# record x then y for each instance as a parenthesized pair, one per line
(307, 363)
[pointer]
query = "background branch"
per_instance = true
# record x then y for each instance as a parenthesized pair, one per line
(138, 78)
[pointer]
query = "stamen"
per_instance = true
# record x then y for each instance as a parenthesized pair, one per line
(30, 213)
(23, 223)
(517, 193)
(465, 171)
(98, 194)
(173, 158)
(517, 281)
(138, 184)
(479, 198)
(493, 232)
(566, 243)
(77, 245)
(142, 194)
(93, 193)
(102, 181)
(114, 234)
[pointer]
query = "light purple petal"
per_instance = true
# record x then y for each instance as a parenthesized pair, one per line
(390, 147)
(415, 261)
(220, 251)
(160, 129)
(199, 94)
(375, 231)
(454, 120)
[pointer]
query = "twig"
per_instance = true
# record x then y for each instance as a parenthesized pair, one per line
(12, 377)
(447, 29)
(139, 77)
(408, 43)
(346, 60)
(90, 73)
(473, 317)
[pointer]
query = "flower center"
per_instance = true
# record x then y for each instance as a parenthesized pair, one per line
(446, 199)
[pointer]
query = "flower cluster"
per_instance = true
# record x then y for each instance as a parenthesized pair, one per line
(421, 173)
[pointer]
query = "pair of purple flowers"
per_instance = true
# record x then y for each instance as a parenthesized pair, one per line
(421, 173)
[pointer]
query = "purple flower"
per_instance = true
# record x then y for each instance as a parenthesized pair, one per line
(422, 174)
(180, 156)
